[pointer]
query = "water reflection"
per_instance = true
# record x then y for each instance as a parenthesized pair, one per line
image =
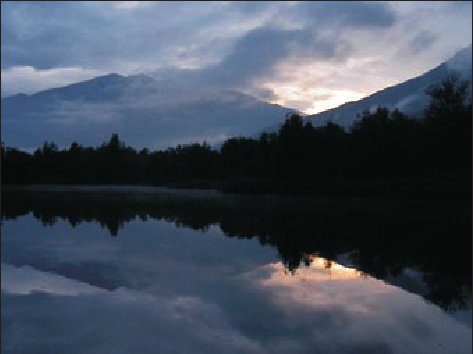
(358, 312)
(381, 240)
(174, 281)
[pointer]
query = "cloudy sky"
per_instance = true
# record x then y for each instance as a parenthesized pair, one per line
(305, 55)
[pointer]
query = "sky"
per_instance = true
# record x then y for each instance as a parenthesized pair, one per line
(309, 56)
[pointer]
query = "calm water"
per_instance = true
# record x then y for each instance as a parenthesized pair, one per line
(143, 270)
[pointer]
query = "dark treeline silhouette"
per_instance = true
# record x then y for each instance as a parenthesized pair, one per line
(384, 154)
(382, 238)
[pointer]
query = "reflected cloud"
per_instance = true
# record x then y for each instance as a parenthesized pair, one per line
(26, 280)
(319, 269)
(318, 285)
(185, 290)
(358, 310)
(300, 232)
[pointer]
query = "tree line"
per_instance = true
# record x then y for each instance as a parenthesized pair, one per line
(383, 152)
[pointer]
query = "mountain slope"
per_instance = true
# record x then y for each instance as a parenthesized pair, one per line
(409, 96)
(143, 111)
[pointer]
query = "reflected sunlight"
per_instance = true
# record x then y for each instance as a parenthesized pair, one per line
(320, 269)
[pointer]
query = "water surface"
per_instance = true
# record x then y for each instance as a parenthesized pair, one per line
(120, 270)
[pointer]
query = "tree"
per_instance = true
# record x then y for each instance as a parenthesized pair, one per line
(75, 147)
(115, 144)
(448, 99)
(49, 148)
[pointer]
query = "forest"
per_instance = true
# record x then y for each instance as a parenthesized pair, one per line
(384, 154)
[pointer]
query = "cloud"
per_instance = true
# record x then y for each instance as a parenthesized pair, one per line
(185, 291)
(241, 45)
(256, 54)
(119, 321)
(27, 79)
(128, 5)
(47, 35)
(88, 34)
(26, 280)
(349, 13)
(197, 292)
(421, 42)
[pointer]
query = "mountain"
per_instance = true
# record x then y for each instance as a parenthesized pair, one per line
(144, 111)
(409, 96)
(167, 108)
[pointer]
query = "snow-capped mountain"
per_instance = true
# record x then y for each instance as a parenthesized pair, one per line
(409, 96)
(144, 111)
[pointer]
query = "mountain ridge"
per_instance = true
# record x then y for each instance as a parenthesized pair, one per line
(148, 112)
(409, 96)
(142, 110)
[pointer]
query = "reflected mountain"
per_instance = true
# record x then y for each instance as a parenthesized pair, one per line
(421, 247)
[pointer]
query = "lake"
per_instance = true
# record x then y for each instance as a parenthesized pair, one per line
(154, 270)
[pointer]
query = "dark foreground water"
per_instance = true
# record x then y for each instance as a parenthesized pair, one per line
(149, 270)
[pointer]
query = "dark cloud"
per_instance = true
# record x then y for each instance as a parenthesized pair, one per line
(47, 35)
(255, 54)
(264, 94)
(348, 13)
(53, 34)
(421, 42)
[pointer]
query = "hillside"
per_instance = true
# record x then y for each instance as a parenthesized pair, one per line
(144, 112)
(408, 96)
